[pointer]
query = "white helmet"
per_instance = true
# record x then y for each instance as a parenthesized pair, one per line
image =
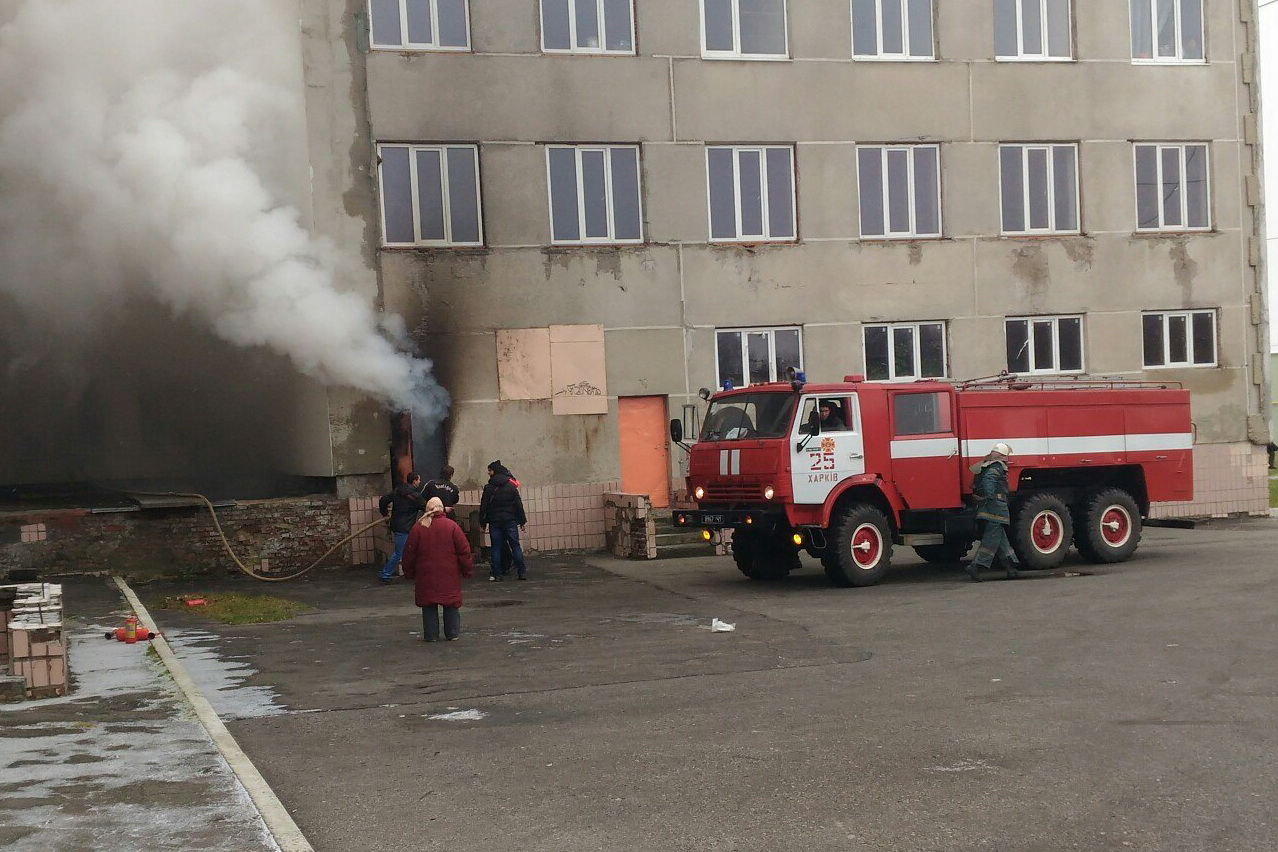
(1002, 449)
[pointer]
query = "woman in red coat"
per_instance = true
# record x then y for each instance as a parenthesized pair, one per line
(436, 557)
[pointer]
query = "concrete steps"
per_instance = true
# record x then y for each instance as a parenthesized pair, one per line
(678, 543)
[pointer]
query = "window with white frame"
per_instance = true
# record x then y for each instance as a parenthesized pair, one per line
(751, 356)
(594, 193)
(751, 193)
(1044, 344)
(900, 191)
(1039, 188)
(587, 26)
(1172, 187)
(904, 351)
(1032, 29)
(430, 195)
(420, 24)
(743, 29)
(892, 29)
(1167, 31)
(1180, 339)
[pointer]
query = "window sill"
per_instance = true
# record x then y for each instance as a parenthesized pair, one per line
(1039, 235)
(583, 52)
(1041, 59)
(894, 58)
(1199, 62)
(610, 244)
(457, 247)
(903, 238)
(747, 57)
(1177, 232)
(417, 48)
(1155, 368)
(752, 243)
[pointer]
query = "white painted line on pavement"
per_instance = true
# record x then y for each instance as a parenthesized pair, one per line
(287, 835)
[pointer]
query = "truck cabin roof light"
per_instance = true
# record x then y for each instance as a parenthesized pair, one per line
(856, 377)
(727, 384)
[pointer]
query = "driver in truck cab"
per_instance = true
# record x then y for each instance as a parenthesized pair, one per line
(831, 417)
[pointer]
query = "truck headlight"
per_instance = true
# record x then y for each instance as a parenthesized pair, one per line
(768, 492)
(699, 492)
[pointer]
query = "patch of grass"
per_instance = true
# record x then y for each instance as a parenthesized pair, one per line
(1273, 493)
(237, 608)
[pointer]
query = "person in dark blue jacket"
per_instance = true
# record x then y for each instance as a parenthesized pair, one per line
(501, 510)
(990, 487)
(402, 506)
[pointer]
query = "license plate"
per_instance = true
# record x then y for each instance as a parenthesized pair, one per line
(712, 520)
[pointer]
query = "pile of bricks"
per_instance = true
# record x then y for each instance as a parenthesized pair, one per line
(32, 650)
(630, 526)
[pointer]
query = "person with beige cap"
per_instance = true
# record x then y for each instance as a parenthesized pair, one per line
(990, 487)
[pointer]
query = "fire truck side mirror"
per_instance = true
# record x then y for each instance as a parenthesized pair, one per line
(676, 431)
(814, 422)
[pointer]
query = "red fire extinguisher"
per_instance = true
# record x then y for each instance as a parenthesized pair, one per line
(131, 629)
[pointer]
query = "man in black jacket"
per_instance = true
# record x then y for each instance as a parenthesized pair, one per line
(445, 490)
(501, 510)
(402, 505)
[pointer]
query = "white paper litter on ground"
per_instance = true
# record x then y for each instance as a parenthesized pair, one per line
(717, 626)
(459, 716)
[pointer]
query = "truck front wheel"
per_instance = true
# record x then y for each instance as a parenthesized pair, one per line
(1107, 526)
(760, 557)
(860, 549)
(1042, 530)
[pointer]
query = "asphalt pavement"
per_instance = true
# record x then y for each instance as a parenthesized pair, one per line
(592, 708)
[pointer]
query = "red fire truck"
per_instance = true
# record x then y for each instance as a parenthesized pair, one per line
(846, 470)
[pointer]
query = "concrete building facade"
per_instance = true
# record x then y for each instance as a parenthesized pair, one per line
(588, 210)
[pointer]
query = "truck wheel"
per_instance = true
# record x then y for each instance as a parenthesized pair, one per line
(1107, 526)
(1041, 531)
(759, 558)
(943, 554)
(860, 550)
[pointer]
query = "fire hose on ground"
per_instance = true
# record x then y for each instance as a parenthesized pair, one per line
(266, 578)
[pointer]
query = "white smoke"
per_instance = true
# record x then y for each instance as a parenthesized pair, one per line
(147, 146)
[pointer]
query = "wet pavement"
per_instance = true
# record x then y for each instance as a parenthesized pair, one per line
(120, 763)
(1091, 708)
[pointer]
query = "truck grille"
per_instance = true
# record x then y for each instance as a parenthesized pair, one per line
(731, 493)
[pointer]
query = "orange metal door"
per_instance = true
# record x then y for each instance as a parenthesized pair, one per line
(645, 453)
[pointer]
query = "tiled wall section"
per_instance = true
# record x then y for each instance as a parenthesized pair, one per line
(1229, 479)
(364, 546)
(560, 517)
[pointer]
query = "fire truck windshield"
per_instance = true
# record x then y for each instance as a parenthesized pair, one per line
(743, 416)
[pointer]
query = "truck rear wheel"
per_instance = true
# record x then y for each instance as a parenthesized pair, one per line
(761, 557)
(860, 549)
(943, 554)
(1041, 530)
(1107, 526)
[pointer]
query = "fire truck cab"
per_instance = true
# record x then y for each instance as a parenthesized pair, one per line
(847, 470)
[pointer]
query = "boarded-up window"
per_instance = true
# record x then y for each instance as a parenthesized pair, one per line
(523, 363)
(577, 370)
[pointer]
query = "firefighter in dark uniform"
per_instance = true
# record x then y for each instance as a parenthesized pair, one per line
(990, 487)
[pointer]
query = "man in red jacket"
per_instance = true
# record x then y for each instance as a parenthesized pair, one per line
(436, 558)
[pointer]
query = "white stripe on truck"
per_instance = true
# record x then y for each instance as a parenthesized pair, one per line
(929, 448)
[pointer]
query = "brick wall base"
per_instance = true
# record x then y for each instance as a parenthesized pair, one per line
(270, 536)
